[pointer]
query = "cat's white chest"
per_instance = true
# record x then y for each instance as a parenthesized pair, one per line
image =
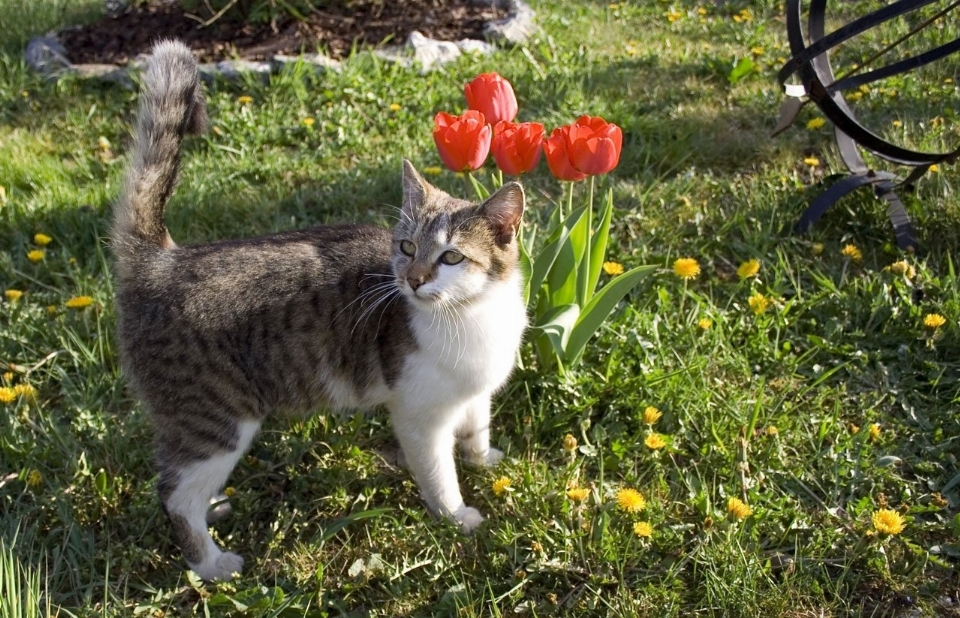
(470, 349)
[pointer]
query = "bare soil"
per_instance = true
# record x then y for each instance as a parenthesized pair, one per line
(336, 29)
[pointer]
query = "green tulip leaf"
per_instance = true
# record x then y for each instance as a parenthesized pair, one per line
(598, 250)
(544, 261)
(557, 324)
(562, 278)
(594, 314)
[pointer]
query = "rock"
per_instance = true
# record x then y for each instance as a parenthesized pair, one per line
(319, 62)
(45, 55)
(429, 52)
(517, 27)
(233, 69)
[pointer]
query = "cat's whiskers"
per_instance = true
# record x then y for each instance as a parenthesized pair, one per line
(360, 297)
(369, 309)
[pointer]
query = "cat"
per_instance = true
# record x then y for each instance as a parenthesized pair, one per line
(425, 320)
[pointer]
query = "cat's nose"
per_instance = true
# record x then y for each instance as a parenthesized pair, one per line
(415, 282)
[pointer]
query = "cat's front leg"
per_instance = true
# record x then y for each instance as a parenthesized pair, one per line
(427, 438)
(474, 434)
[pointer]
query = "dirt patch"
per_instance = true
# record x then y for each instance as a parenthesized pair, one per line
(336, 30)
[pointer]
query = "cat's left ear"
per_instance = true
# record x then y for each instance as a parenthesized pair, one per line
(503, 210)
(415, 189)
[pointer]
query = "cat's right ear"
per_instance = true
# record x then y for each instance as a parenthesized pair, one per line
(415, 189)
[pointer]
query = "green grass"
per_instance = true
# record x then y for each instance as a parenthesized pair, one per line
(775, 409)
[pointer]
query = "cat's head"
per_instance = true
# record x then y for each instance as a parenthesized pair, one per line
(447, 250)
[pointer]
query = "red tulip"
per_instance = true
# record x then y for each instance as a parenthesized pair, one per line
(516, 147)
(558, 160)
(493, 96)
(594, 145)
(463, 141)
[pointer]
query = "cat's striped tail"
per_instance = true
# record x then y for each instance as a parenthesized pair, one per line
(171, 106)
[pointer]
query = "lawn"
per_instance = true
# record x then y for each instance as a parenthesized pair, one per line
(816, 392)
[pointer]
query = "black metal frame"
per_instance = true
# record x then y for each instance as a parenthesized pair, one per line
(811, 63)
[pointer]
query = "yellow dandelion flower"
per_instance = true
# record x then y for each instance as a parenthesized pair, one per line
(42, 239)
(432, 170)
(686, 268)
(103, 143)
(35, 256)
(934, 320)
(757, 51)
(705, 323)
(395, 107)
(815, 123)
(79, 302)
(651, 415)
(569, 443)
(772, 431)
(578, 494)
(631, 500)
(34, 478)
(888, 521)
(7, 394)
(934, 168)
(673, 16)
(244, 99)
(8, 376)
(13, 295)
(902, 268)
(748, 269)
(738, 509)
(230, 492)
(613, 268)
(875, 432)
(655, 442)
(643, 529)
(308, 122)
(25, 390)
(852, 251)
(897, 123)
(758, 303)
(501, 486)
(854, 96)
(811, 161)
(746, 15)
(52, 309)
(817, 248)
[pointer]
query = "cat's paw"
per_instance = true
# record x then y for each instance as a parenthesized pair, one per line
(494, 457)
(219, 568)
(468, 517)
(489, 460)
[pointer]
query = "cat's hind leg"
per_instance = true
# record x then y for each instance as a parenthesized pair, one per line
(185, 491)
(473, 434)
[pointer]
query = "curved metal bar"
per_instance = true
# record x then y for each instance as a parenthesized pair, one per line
(829, 197)
(896, 68)
(857, 26)
(902, 228)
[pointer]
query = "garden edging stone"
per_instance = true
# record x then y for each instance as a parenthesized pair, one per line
(47, 56)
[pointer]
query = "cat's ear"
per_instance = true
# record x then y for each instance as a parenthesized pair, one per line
(415, 189)
(503, 210)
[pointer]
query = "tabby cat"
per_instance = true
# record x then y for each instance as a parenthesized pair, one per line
(425, 321)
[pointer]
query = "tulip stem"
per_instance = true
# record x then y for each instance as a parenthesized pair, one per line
(585, 291)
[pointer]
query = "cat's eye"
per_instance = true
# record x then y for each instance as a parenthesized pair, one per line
(407, 248)
(451, 257)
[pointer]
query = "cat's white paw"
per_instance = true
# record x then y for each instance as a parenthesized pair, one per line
(494, 457)
(468, 517)
(219, 568)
